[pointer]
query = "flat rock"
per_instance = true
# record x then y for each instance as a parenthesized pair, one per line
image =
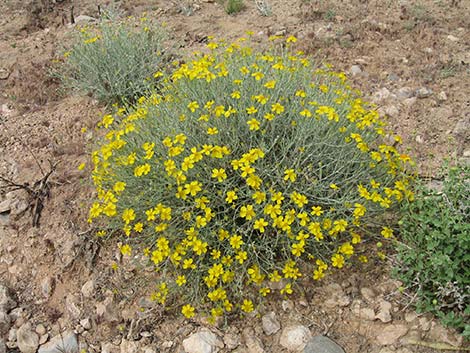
(26, 339)
(294, 338)
(440, 334)
(6, 299)
(203, 341)
(65, 342)
(391, 334)
(384, 314)
(322, 344)
(270, 324)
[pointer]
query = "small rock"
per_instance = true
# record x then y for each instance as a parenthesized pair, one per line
(3, 348)
(27, 339)
(41, 329)
(5, 323)
(148, 349)
(231, 340)
(423, 92)
(167, 344)
(419, 139)
(322, 344)
(252, 343)
(424, 323)
(43, 339)
(442, 96)
(441, 334)
(202, 342)
(391, 333)
(452, 38)
(86, 323)
(392, 111)
(88, 288)
(355, 70)
(461, 129)
(6, 299)
(47, 286)
(12, 334)
(294, 338)
(381, 95)
(409, 102)
(368, 294)
(287, 305)
(410, 316)
(64, 342)
(404, 93)
(84, 19)
(362, 312)
(270, 324)
(129, 346)
(72, 308)
(466, 154)
(336, 296)
(384, 314)
(107, 310)
(108, 347)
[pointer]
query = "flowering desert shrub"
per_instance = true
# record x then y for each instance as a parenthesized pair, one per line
(248, 172)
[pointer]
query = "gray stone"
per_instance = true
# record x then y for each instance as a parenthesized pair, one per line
(294, 338)
(423, 92)
(404, 93)
(65, 342)
(88, 288)
(86, 323)
(322, 344)
(355, 70)
(5, 323)
(47, 286)
(461, 129)
(270, 324)
(391, 333)
(203, 341)
(84, 19)
(3, 348)
(27, 340)
(6, 299)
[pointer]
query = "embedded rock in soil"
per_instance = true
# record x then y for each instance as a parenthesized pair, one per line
(441, 334)
(322, 344)
(64, 342)
(27, 339)
(390, 334)
(202, 342)
(5, 323)
(336, 296)
(6, 299)
(462, 128)
(423, 92)
(355, 70)
(252, 343)
(384, 314)
(88, 288)
(294, 338)
(270, 324)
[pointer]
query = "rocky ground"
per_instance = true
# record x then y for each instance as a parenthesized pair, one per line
(57, 287)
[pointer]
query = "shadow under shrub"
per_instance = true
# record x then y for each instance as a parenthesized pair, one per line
(434, 252)
(116, 62)
(247, 173)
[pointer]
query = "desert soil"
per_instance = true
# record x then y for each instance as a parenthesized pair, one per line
(411, 58)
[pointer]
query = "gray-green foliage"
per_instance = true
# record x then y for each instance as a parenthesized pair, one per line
(115, 61)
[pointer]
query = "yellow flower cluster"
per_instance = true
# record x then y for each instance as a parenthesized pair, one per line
(277, 180)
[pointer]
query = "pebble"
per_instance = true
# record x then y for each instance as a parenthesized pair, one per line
(6, 299)
(391, 333)
(322, 344)
(270, 324)
(452, 38)
(88, 288)
(442, 96)
(423, 92)
(203, 341)
(355, 70)
(64, 342)
(86, 323)
(47, 286)
(27, 340)
(419, 139)
(294, 338)
(287, 305)
(41, 329)
(384, 314)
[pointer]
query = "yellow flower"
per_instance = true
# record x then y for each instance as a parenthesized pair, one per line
(181, 280)
(337, 260)
(251, 110)
(277, 108)
(334, 186)
(264, 291)
(193, 188)
(306, 113)
(107, 120)
(231, 196)
(257, 75)
(236, 241)
(219, 174)
(212, 131)
(119, 187)
(387, 232)
(128, 215)
(287, 289)
(346, 249)
(125, 249)
(289, 174)
(247, 306)
(270, 84)
(259, 197)
(236, 95)
(241, 257)
(253, 124)
(188, 311)
(247, 212)
(81, 166)
(291, 39)
(260, 224)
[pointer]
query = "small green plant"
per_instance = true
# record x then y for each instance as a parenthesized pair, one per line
(115, 62)
(234, 6)
(246, 169)
(329, 15)
(434, 252)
